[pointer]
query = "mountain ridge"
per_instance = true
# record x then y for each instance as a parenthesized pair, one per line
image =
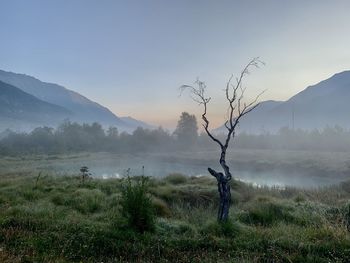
(84, 110)
(17, 106)
(324, 103)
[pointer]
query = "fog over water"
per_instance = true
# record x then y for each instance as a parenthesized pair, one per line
(280, 169)
(160, 168)
(271, 179)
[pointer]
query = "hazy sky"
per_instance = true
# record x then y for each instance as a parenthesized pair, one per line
(132, 56)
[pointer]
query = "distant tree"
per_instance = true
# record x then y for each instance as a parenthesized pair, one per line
(84, 173)
(72, 137)
(140, 140)
(187, 130)
(42, 138)
(111, 141)
(113, 133)
(162, 140)
(94, 130)
(236, 110)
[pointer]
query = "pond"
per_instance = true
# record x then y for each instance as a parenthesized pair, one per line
(302, 172)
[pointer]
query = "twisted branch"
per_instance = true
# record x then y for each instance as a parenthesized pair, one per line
(236, 109)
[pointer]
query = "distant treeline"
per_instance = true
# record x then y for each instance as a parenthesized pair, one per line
(326, 139)
(73, 137)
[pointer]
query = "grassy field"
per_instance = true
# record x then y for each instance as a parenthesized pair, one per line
(59, 219)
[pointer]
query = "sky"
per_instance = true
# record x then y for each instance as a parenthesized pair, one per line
(132, 56)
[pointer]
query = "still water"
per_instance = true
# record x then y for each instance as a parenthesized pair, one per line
(103, 165)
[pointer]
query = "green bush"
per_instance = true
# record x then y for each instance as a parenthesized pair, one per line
(136, 205)
(299, 198)
(169, 227)
(176, 178)
(346, 212)
(87, 201)
(161, 207)
(266, 213)
(225, 229)
(59, 199)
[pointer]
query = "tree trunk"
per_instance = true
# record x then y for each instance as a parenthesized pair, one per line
(237, 109)
(224, 193)
(223, 186)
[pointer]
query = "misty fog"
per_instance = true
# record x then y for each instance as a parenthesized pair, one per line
(298, 158)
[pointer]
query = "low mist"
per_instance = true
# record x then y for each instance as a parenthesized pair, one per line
(298, 158)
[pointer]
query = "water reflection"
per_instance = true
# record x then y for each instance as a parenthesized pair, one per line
(277, 179)
(103, 165)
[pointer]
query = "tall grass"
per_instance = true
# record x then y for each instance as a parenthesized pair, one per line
(58, 219)
(136, 205)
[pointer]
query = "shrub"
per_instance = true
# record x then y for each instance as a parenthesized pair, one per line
(59, 199)
(299, 198)
(161, 207)
(226, 229)
(266, 213)
(347, 215)
(85, 201)
(136, 205)
(174, 227)
(165, 192)
(176, 178)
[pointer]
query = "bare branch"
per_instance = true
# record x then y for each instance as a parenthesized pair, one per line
(236, 107)
(197, 93)
(235, 111)
(228, 128)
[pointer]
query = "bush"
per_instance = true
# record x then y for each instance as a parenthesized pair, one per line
(176, 178)
(266, 213)
(347, 215)
(136, 205)
(299, 198)
(226, 229)
(161, 207)
(166, 227)
(86, 201)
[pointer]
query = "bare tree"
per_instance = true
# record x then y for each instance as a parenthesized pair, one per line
(236, 110)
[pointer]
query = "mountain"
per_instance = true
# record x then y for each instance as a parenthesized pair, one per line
(326, 103)
(20, 110)
(82, 109)
(319, 105)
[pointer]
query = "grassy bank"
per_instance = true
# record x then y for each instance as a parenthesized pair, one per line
(59, 219)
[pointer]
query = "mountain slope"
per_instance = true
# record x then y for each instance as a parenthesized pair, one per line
(20, 109)
(326, 103)
(319, 105)
(84, 109)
